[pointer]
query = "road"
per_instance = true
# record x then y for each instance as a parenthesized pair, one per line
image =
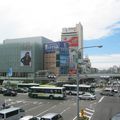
(39, 107)
(106, 108)
(101, 109)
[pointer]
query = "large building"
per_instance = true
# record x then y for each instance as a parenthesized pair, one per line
(23, 55)
(74, 37)
(56, 57)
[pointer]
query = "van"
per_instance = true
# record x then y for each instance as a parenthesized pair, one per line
(52, 116)
(11, 113)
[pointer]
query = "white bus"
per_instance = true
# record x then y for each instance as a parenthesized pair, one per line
(71, 89)
(50, 92)
(11, 113)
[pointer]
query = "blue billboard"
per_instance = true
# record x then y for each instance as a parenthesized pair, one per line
(52, 47)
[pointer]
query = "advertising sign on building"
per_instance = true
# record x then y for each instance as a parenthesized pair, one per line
(52, 47)
(71, 40)
(25, 58)
(70, 36)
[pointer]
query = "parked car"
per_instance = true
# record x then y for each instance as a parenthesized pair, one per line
(107, 93)
(52, 116)
(87, 96)
(29, 117)
(9, 92)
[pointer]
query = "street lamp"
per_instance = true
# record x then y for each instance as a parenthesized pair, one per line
(78, 77)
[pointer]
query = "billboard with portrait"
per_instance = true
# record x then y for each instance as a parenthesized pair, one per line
(25, 58)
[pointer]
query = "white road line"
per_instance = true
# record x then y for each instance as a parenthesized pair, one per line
(90, 110)
(65, 110)
(34, 108)
(101, 99)
(46, 110)
(86, 112)
(75, 118)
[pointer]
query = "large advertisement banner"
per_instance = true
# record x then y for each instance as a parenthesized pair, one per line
(72, 40)
(25, 58)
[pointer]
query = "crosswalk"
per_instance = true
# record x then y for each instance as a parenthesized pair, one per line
(89, 113)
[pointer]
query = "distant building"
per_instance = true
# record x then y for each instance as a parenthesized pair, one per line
(23, 55)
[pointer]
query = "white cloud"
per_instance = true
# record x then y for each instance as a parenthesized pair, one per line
(105, 61)
(23, 18)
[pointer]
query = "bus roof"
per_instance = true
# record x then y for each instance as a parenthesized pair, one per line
(28, 84)
(75, 85)
(6, 110)
(39, 87)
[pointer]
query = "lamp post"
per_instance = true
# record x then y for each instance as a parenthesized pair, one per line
(78, 75)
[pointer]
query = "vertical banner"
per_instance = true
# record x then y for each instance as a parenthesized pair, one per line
(10, 72)
(25, 58)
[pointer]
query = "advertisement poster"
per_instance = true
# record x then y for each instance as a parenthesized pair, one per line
(71, 40)
(25, 58)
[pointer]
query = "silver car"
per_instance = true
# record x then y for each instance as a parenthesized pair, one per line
(52, 116)
(87, 96)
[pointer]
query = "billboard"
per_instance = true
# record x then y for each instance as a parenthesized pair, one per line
(71, 40)
(25, 58)
(52, 47)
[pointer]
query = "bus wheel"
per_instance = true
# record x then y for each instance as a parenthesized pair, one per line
(51, 97)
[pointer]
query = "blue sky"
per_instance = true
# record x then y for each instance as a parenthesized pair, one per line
(100, 20)
(111, 45)
(109, 54)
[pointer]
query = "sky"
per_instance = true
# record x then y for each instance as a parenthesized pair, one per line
(100, 20)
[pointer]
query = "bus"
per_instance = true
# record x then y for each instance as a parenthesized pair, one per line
(11, 113)
(50, 92)
(26, 85)
(71, 89)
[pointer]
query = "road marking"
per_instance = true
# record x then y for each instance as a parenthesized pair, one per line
(65, 110)
(89, 113)
(90, 110)
(101, 99)
(34, 108)
(46, 110)
(75, 118)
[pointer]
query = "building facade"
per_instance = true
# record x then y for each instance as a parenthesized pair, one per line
(56, 57)
(74, 37)
(23, 55)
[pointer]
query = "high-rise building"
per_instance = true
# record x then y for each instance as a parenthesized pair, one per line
(74, 37)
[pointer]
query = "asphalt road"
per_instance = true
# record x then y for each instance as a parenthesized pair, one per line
(106, 108)
(39, 107)
(101, 109)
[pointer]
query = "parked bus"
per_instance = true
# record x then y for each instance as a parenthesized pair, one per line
(26, 85)
(11, 113)
(50, 92)
(71, 89)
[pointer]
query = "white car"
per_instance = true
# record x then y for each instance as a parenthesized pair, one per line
(52, 116)
(87, 96)
(29, 117)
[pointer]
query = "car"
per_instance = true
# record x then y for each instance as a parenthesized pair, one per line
(29, 117)
(52, 116)
(87, 96)
(9, 92)
(116, 117)
(22, 90)
(2, 89)
(107, 93)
